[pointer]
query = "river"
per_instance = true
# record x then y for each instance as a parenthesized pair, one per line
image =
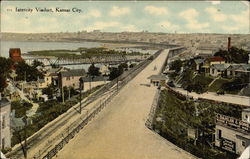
(27, 46)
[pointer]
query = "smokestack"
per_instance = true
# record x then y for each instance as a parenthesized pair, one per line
(229, 43)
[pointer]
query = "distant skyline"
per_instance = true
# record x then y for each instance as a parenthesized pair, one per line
(133, 16)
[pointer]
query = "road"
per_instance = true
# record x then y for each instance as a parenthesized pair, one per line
(119, 131)
(234, 99)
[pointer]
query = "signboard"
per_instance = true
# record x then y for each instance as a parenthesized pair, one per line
(233, 122)
(228, 145)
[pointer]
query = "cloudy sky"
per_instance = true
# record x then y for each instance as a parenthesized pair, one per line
(164, 16)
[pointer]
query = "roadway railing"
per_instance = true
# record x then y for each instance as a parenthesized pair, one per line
(151, 114)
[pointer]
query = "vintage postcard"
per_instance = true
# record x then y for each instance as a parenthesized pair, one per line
(125, 80)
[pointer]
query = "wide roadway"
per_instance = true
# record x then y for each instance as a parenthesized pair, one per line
(119, 131)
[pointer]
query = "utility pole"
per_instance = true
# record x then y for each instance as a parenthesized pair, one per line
(62, 93)
(117, 83)
(69, 92)
(25, 76)
(90, 83)
(24, 147)
(81, 87)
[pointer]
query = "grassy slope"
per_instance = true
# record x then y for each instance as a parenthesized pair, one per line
(217, 84)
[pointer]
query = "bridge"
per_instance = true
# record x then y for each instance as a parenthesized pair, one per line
(119, 131)
(177, 50)
(105, 59)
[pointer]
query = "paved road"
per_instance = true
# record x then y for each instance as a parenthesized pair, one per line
(119, 131)
(235, 99)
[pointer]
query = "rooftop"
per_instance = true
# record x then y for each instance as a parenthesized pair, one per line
(216, 58)
(96, 78)
(76, 72)
(4, 102)
(221, 67)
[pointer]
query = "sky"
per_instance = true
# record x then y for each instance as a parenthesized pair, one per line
(130, 16)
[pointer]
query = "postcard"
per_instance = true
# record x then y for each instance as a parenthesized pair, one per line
(125, 79)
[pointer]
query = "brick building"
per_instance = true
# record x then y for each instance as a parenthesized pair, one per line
(233, 134)
(15, 55)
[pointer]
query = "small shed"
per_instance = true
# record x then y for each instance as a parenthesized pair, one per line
(156, 80)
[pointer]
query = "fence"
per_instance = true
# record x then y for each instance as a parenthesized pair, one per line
(153, 109)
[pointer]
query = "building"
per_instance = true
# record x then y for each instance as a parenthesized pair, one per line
(243, 70)
(15, 55)
(71, 78)
(231, 70)
(46, 81)
(233, 134)
(198, 63)
(157, 80)
(206, 52)
(54, 72)
(218, 70)
(90, 82)
(211, 61)
(5, 137)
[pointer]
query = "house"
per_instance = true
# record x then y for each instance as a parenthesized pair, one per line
(216, 60)
(71, 78)
(53, 73)
(90, 82)
(231, 70)
(104, 69)
(218, 69)
(5, 137)
(198, 63)
(205, 52)
(211, 61)
(233, 134)
(243, 70)
(46, 81)
(157, 80)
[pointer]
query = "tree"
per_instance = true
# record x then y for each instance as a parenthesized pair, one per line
(114, 73)
(176, 65)
(50, 91)
(37, 63)
(234, 55)
(123, 66)
(20, 107)
(27, 72)
(93, 71)
(5, 65)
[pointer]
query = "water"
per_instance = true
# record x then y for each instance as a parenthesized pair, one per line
(27, 46)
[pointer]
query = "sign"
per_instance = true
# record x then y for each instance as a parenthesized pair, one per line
(233, 122)
(228, 145)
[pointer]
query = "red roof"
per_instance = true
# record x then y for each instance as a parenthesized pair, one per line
(216, 58)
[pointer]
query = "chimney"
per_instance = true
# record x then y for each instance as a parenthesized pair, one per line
(229, 43)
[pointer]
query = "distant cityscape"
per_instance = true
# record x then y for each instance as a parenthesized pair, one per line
(191, 89)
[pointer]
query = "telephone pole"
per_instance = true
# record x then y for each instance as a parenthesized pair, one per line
(81, 87)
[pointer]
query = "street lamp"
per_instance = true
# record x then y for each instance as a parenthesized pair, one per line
(81, 87)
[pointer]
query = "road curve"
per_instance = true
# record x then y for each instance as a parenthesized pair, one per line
(119, 131)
